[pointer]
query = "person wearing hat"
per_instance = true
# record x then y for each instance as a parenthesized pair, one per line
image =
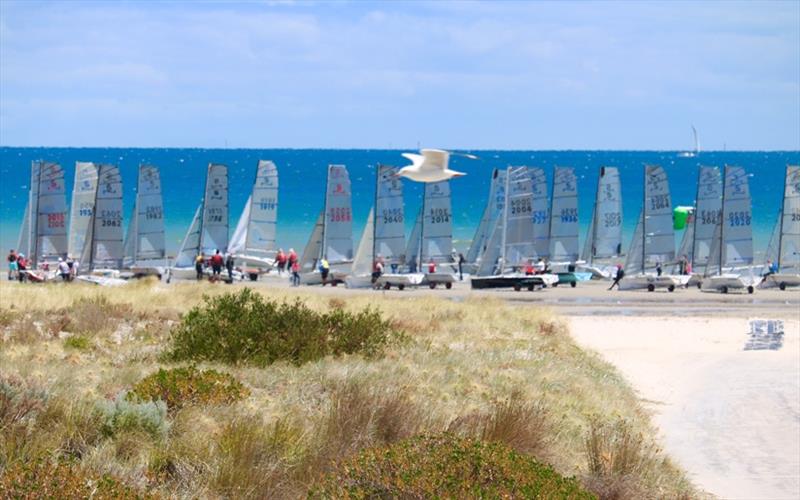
(63, 269)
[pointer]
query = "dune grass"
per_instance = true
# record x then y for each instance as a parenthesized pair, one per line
(480, 369)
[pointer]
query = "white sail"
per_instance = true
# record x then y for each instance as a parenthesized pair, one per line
(238, 239)
(654, 240)
(82, 209)
(789, 251)
(696, 141)
(51, 226)
(190, 246)
(494, 204)
(214, 232)
(389, 241)
(106, 242)
(129, 245)
(412, 249)
(605, 229)
(337, 237)
(260, 215)
(519, 223)
(737, 229)
(540, 213)
(437, 224)
(27, 238)
(685, 247)
(564, 216)
(706, 217)
(362, 262)
(489, 259)
(313, 249)
(148, 224)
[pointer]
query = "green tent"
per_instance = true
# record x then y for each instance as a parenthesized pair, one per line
(681, 216)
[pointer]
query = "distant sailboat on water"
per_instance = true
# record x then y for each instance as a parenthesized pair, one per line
(696, 150)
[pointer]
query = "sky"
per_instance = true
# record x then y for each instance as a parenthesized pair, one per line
(458, 75)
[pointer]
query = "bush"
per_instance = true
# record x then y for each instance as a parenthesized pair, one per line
(246, 328)
(78, 342)
(122, 415)
(180, 387)
(446, 466)
(42, 479)
(19, 403)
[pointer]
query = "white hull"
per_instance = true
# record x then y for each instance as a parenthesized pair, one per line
(315, 278)
(775, 281)
(652, 282)
(727, 282)
(102, 280)
(597, 272)
(253, 261)
(145, 270)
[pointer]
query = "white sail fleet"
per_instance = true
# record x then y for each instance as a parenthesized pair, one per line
(526, 238)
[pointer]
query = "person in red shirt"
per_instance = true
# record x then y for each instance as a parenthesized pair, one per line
(216, 265)
(295, 273)
(431, 267)
(280, 259)
(529, 268)
(292, 257)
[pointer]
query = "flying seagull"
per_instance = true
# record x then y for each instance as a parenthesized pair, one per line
(430, 166)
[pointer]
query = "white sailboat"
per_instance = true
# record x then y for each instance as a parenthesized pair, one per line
(336, 244)
(103, 250)
(494, 205)
(540, 213)
(82, 209)
(604, 239)
(208, 231)
(654, 238)
(784, 247)
(511, 243)
(731, 252)
(43, 236)
(253, 240)
(696, 150)
(145, 249)
(383, 237)
(697, 240)
(564, 226)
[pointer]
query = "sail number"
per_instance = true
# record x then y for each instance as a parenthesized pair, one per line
(55, 220)
(439, 215)
(85, 209)
(392, 215)
(612, 219)
(267, 204)
(540, 216)
(709, 217)
(152, 213)
(659, 201)
(214, 215)
(110, 218)
(739, 219)
(521, 206)
(795, 216)
(339, 214)
(569, 215)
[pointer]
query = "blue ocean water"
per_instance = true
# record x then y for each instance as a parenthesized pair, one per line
(302, 180)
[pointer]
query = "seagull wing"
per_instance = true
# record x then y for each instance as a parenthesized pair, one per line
(416, 160)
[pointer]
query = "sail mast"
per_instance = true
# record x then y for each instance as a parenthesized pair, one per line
(644, 219)
(505, 222)
(375, 213)
(782, 218)
(422, 227)
(696, 213)
(721, 218)
(34, 239)
(203, 213)
(324, 250)
(94, 217)
(594, 216)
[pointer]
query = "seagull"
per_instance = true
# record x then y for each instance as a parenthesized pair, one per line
(430, 166)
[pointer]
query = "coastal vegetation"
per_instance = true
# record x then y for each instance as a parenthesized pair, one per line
(488, 387)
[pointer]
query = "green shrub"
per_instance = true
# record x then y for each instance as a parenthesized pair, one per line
(122, 415)
(246, 328)
(180, 387)
(42, 479)
(446, 466)
(77, 342)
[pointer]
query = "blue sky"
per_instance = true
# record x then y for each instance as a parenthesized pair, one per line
(502, 75)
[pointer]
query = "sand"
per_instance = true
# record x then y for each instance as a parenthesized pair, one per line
(730, 417)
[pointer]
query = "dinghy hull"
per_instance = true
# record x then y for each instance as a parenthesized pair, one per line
(781, 281)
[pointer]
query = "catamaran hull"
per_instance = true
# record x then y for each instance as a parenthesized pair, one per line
(144, 271)
(252, 261)
(726, 283)
(599, 273)
(516, 282)
(782, 281)
(651, 283)
(102, 280)
(315, 278)
(432, 280)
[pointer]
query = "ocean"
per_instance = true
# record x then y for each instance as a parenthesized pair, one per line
(302, 181)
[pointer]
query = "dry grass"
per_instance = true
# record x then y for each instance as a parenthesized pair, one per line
(481, 368)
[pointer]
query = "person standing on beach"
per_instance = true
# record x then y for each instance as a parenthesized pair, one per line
(198, 265)
(461, 261)
(540, 266)
(22, 266)
(216, 265)
(324, 270)
(292, 258)
(295, 273)
(229, 267)
(12, 264)
(620, 274)
(431, 266)
(658, 268)
(377, 269)
(280, 259)
(63, 270)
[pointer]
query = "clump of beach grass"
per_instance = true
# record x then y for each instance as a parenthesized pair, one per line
(179, 387)
(484, 370)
